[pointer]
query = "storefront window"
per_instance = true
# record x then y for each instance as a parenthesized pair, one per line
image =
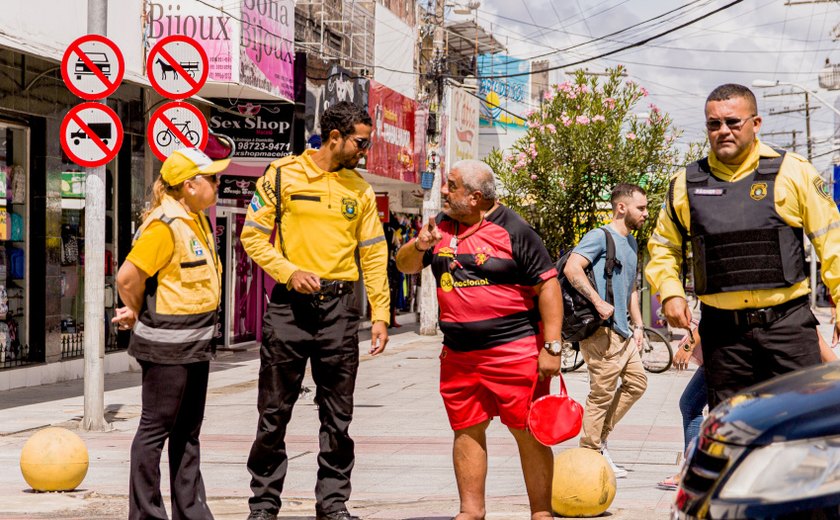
(73, 261)
(14, 246)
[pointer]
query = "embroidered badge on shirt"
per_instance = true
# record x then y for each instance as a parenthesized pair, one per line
(349, 208)
(758, 190)
(822, 189)
(482, 254)
(196, 247)
(257, 202)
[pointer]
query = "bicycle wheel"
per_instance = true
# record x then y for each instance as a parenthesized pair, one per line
(571, 359)
(163, 138)
(656, 352)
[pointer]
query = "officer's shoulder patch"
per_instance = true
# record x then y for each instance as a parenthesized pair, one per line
(822, 189)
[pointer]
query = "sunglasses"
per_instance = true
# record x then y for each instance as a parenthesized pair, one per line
(210, 178)
(733, 123)
(361, 143)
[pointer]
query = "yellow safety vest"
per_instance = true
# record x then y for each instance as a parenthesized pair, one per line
(178, 320)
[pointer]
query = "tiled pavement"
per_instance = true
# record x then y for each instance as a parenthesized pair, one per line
(403, 444)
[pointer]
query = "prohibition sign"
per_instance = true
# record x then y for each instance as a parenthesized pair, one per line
(92, 67)
(177, 67)
(91, 134)
(176, 125)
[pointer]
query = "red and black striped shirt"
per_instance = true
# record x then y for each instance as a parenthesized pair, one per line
(485, 280)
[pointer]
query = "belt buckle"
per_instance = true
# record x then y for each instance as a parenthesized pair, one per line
(757, 318)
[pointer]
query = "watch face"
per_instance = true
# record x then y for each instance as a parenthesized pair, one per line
(555, 347)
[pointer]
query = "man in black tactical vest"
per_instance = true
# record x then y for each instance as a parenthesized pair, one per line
(744, 210)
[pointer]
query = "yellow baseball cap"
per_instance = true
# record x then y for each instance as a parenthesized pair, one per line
(186, 163)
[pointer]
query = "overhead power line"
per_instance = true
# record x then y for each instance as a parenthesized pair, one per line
(620, 49)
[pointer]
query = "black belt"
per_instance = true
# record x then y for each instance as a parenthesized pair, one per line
(755, 317)
(330, 289)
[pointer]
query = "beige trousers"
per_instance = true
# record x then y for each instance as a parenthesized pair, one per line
(609, 358)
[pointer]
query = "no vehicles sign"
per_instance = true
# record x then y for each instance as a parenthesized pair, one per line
(176, 125)
(92, 67)
(177, 67)
(91, 134)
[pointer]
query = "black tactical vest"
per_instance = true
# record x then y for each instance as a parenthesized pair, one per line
(738, 239)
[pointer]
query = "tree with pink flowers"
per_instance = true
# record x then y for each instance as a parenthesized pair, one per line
(587, 136)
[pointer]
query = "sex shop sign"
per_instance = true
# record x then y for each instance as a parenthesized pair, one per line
(392, 151)
(259, 129)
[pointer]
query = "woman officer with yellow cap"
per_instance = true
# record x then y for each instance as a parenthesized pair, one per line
(170, 285)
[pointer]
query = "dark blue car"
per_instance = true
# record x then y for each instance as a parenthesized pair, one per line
(771, 451)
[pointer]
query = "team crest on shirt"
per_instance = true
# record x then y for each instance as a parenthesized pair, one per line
(448, 252)
(482, 254)
(447, 282)
(822, 189)
(349, 208)
(758, 190)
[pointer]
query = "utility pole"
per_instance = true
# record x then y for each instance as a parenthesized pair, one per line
(431, 199)
(94, 407)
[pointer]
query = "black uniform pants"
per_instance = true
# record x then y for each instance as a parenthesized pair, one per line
(173, 410)
(739, 352)
(296, 328)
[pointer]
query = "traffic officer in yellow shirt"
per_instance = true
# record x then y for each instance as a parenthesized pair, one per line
(326, 213)
(744, 210)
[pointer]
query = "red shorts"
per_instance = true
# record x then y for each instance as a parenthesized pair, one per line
(476, 387)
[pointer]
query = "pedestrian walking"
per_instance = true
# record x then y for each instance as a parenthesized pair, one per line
(170, 285)
(495, 281)
(745, 210)
(612, 352)
(323, 211)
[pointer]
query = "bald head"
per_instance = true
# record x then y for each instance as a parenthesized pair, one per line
(477, 176)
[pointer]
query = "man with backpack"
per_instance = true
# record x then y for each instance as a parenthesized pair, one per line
(612, 351)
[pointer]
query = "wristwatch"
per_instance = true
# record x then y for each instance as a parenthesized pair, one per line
(554, 347)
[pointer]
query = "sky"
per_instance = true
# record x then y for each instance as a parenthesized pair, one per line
(752, 39)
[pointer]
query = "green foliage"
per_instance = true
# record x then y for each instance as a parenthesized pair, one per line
(586, 138)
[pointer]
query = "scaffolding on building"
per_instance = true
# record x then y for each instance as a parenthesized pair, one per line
(337, 31)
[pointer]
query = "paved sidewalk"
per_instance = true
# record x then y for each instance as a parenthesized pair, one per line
(403, 443)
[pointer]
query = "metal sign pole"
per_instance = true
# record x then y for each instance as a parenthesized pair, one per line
(94, 406)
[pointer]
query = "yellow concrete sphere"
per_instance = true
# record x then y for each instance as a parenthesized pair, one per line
(54, 459)
(583, 484)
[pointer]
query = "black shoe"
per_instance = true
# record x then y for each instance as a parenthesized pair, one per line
(341, 514)
(262, 514)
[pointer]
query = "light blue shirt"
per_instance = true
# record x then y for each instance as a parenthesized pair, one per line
(593, 247)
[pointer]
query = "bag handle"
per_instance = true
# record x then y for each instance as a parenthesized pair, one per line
(563, 392)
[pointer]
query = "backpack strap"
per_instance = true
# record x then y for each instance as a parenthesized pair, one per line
(277, 209)
(610, 264)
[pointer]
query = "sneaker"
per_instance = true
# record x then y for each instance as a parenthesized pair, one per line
(618, 470)
(341, 514)
(262, 514)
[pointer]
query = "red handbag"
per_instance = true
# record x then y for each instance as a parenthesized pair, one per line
(555, 418)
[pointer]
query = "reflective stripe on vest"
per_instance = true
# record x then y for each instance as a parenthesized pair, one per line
(738, 239)
(173, 335)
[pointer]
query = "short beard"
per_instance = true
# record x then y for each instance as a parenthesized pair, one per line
(457, 209)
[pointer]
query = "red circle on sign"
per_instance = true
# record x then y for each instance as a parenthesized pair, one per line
(159, 52)
(173, 130)
(92, 67)
(108, 152)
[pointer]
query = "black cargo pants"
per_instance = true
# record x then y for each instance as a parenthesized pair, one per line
(746, 347)
(298, 327)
